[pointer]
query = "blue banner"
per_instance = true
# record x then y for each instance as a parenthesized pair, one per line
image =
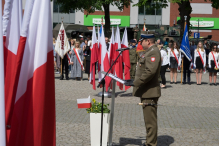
(185, 47)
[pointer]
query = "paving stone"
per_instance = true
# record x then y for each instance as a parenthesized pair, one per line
(187, 115)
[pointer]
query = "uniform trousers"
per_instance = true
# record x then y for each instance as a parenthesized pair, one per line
(186, 70)
(133, 70)
(64, 64)
(150, 119)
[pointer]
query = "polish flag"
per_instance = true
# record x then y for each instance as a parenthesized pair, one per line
(2, 89)
(84, 102)
(94, 58)
(126, 58)
(118, 65)
(112, 50)
(62, 45)
(99, 54)
(33, 119)
(12, 19)
(104, 64)
(144, 28)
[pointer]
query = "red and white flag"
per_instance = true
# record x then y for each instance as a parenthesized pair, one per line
(84, 102)
(99, 55)
(94, 58)
(104, 59)
(126, 58)
(62, 45)
(2, 89)
(112, 50)
(12, 19)
(144, 27)
(118, 65)
(33, 119)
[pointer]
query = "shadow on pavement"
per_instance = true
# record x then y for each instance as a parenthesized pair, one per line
(163, 140)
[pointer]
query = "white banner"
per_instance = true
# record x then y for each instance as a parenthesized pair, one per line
(202, 23)
(112, 21)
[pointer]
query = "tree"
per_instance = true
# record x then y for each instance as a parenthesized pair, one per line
(185, 8)
(91, 5)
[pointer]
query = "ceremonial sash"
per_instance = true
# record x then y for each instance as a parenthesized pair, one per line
(79, 59)
(69, 60)
(201, 58)
(214, 60)
(176, 59)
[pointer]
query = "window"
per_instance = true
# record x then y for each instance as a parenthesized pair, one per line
(58, 8)
(149, 9)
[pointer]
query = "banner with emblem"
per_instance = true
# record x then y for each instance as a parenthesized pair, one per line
(62, 45)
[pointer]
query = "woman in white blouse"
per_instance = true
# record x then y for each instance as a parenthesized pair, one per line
(199, 62)
(213, 64)
(174, 58)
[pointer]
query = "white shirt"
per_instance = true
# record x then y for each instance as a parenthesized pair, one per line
(164, 57)
(203, 55)
(210, 58)
(178, 55)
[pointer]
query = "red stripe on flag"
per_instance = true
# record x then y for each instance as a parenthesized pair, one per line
(12, 90)
(33, 121)
(84, 105)
(127, 66)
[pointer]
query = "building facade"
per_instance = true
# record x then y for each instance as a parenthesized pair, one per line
(208, 18)
(130, 17)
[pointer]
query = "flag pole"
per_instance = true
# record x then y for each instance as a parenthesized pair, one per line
(2, 90)
(61, 58)
(183, 57)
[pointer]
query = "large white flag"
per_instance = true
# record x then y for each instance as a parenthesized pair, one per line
(2, 89)
(62, 45)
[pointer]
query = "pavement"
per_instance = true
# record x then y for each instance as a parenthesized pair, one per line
(187, 115)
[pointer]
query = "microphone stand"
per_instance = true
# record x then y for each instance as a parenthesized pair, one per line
(102, 82)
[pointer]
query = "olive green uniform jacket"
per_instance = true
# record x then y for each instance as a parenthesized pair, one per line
(146, 84)
(133, 62)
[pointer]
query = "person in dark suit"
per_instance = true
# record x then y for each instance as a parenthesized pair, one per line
(107, 43)
(64, 64)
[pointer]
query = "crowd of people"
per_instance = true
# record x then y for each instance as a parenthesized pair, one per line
(204, 58)
(79, 50)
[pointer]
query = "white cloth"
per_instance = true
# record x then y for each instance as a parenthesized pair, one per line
(178, 55)
(62, 45)
(203, 55)
(164, 57)
(210, 58)
(89, 43)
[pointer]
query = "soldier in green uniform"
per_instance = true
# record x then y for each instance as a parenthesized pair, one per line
(147, 86)
(133, 59)
(136, 30)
